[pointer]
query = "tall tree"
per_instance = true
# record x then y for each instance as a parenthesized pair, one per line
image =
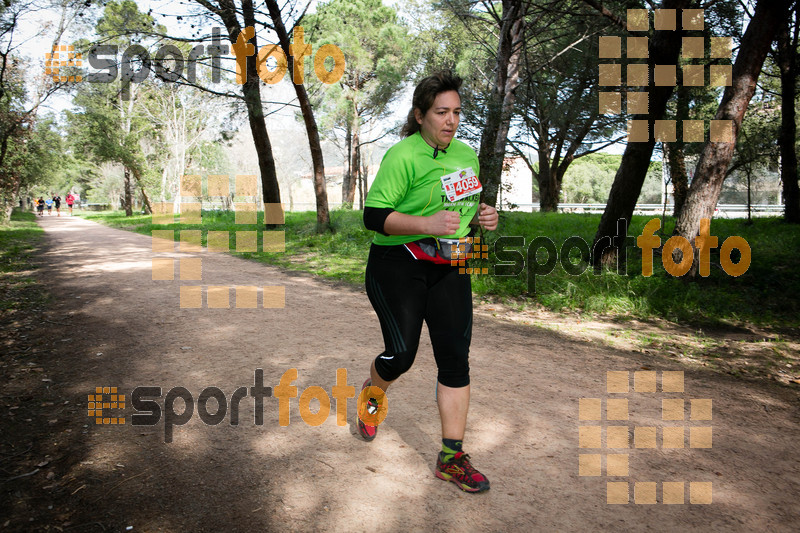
(789, 64)
(697, 101)
(716, 156)
(314, 145)
(557, 98)
(244, 44)
(181, 117)
(20, 101)
(377, 48)
(675, 154)
(118, 26)
(500, 104)
(663, 49)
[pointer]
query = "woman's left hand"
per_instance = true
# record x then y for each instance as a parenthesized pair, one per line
(487, 217)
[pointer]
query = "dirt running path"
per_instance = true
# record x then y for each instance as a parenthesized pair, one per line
(123, 329)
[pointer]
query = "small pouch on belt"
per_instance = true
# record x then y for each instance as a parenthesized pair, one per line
(439, 251)
(454, 249)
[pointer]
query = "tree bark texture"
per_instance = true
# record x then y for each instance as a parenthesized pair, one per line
(349, 192)
(314, 145)
(501, 101)
(716, 156)
(676, 158)
(146, 199)
(549, 184)
(790, 70)
(128, 192)
(252, 96)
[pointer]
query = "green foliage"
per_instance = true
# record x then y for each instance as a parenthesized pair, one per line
(377, 58)
(19, 240)
(35, 160)
(589, 179)
(768, 293)
(122, 23)
(107, 128)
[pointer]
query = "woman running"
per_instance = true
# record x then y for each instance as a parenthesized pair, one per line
(70, 200)
(424, 197)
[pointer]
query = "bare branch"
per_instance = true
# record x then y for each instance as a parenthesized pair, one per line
(608, 14)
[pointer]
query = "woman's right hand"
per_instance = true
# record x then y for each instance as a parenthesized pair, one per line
(443, 223)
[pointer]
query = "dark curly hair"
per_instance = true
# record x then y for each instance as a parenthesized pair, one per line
(426, 92)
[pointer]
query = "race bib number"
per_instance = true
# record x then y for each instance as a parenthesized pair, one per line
(460, 184)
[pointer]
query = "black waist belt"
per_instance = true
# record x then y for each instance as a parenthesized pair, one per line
(440, 251)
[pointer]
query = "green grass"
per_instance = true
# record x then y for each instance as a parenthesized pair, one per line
(340, 255)
(18, 242)
(767, 294)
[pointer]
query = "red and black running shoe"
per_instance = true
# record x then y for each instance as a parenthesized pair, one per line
(368, 432)
(461, 472)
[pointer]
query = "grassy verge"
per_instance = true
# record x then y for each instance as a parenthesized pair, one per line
(766, 295)
(18, 242)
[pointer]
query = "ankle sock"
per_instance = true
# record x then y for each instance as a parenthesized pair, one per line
(450, 447)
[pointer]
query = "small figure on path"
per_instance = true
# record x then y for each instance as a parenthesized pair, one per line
(70, 200)
(57, 203)
(40, 206)
(49, 203)
(424, 198)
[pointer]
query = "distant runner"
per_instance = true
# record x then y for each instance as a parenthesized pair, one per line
(70, 200)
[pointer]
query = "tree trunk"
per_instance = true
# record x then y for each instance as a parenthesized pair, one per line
(364, 178)
(347, 170)
(716, 156)
(317, 162)
(676, 157)
(663, 50)
(676, 160)
(128, 192)
(501, 101)
(349, 194)
(788, 63)
(145, 199)
(549, 189)
(360, 188)
(7, 202)
(9, 180)
(251, 90)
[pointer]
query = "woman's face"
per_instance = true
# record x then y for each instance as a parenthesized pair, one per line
(438, 125)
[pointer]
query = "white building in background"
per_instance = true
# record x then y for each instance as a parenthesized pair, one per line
(516, 190)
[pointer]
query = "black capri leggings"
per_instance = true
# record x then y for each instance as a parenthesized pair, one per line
(404, 292)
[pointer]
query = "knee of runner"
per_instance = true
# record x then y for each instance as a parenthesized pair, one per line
(392, 366)
(454, 377)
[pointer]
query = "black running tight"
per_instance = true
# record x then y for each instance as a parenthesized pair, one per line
(404, 292)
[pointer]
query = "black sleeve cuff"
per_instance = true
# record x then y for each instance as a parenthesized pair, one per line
(374, 218)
